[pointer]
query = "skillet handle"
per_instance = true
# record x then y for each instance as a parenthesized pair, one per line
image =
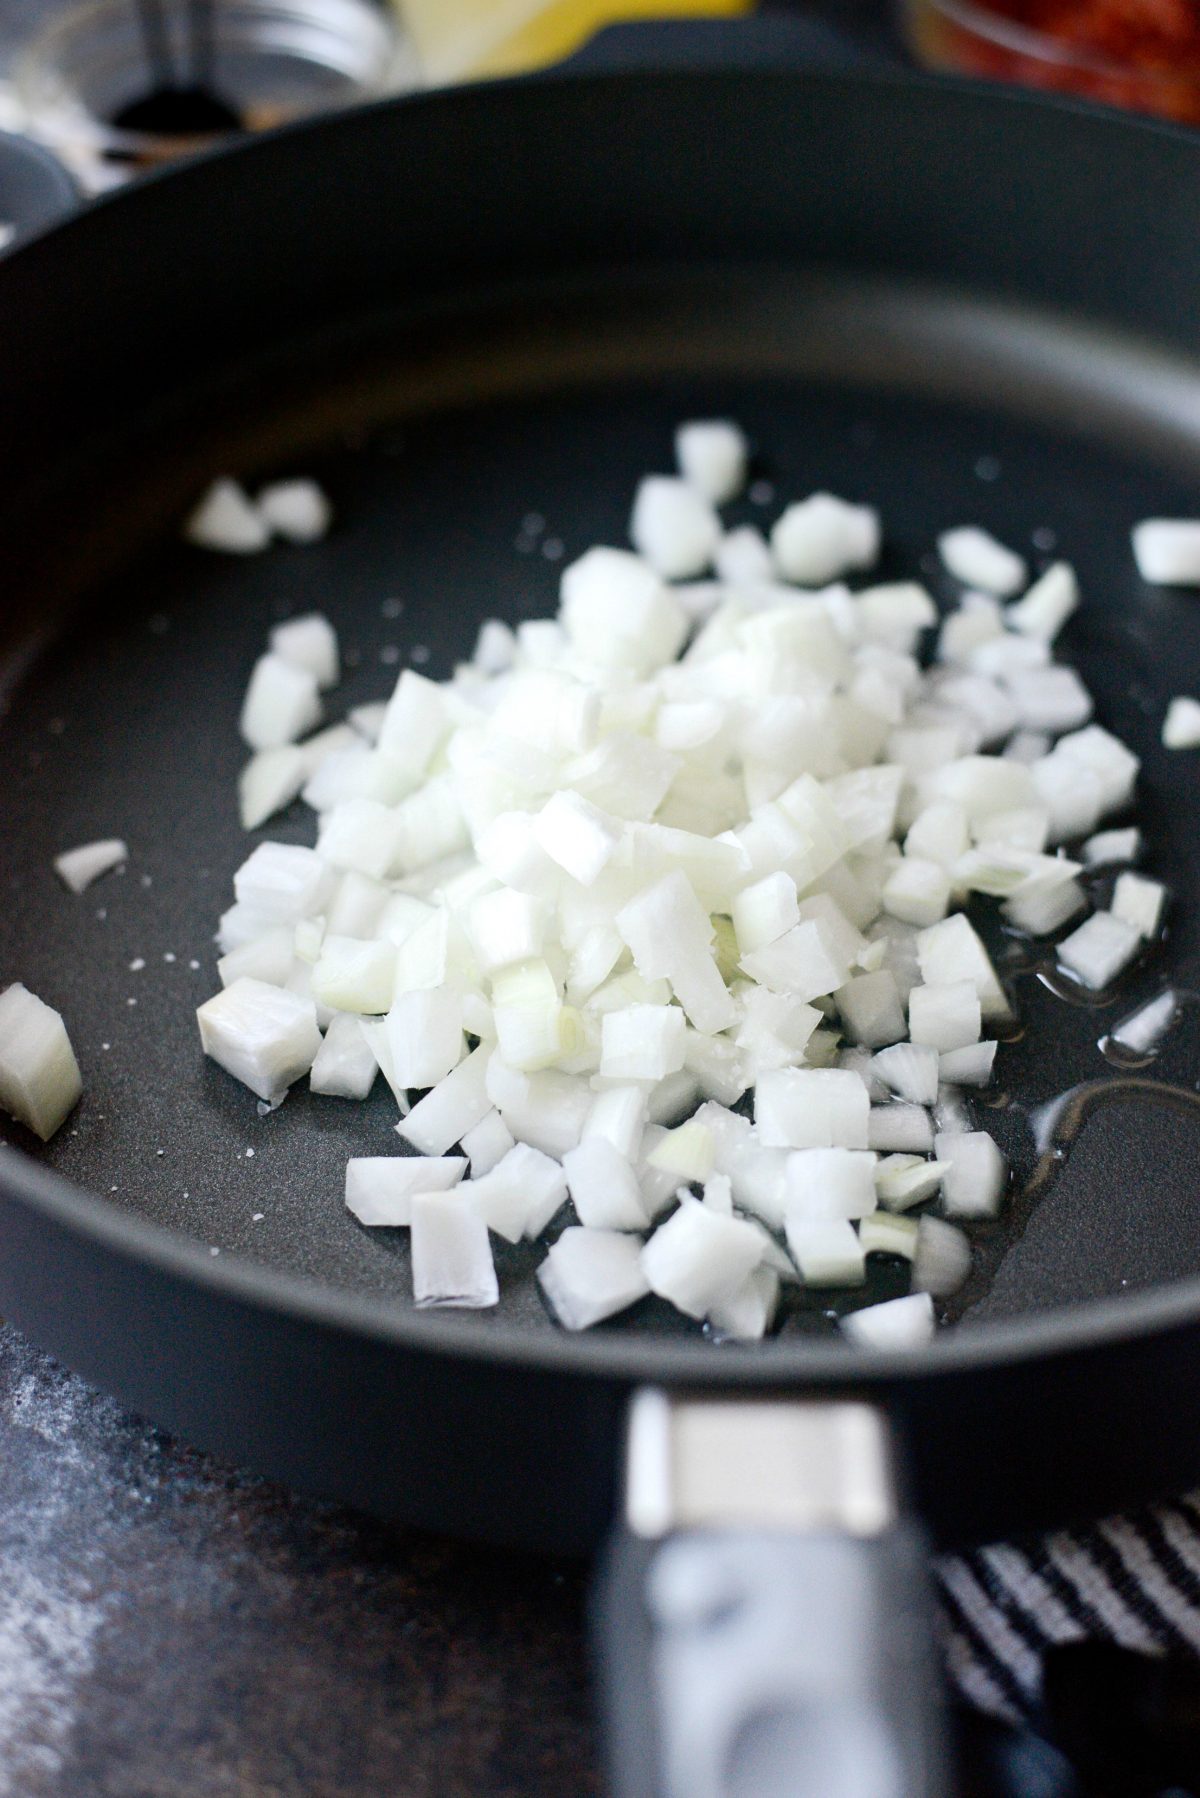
(763, 1617)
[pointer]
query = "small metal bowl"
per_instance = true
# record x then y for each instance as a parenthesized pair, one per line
(272, 61)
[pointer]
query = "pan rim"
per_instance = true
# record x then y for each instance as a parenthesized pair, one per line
(1092, 1326)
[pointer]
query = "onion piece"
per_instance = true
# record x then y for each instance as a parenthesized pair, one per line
(674, 527)
(827, 1251)
(747, 1314)
(801, 1108)
(642, 1042)
(906, 1323)
(269, 782)
(975, 558)
(1139, 902)
(281, 703)
(871, 1009)
(829, 1183)
(1101, 948)
(1109, 846)
(910, 1070)
(902, 1181)
(711, 454)
(296, 510)
(1167, 551)
(1145, 1028)
(604, 1187)
(945, 1016)
(40, 1082)
(227, 519)
(885, 1233)
(969, 1066)
(1181, 726)
(976, 1178)
(520, 1194)
(1047, 605)
(451, 1254)
(451, 1108)
(698, 1258)
(817, 539)
(900, 1128)
(263, 1035)
(344, 1066)
(687, 1151)
(310, 642)
(942, 1259)
(487, 1144)
(77, 868)
(380, 1188)
(590, 1275)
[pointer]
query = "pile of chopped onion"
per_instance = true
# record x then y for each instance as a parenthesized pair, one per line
(651, 916)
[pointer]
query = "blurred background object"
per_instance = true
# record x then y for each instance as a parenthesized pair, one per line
(1142, 54)
(113, 86)
(460, 40)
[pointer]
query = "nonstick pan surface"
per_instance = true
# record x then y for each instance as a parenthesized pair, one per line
(457, 313)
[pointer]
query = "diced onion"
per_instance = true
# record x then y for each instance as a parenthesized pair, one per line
(77, 868)
(40, 1082)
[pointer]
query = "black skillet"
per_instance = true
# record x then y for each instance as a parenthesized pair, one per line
(458, 311)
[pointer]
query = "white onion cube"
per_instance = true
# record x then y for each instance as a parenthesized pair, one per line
(380, 1188)
(1139, 902)
(822, 537)
(345, 1066)
(747, 1314)
(642, 1042)
(674, 527)
(520, 1194)
(425, 1035)
(309, 642)
(1181, 726)
(590, 1275)
(227, 519)
(698, 1258)
(269, 782)
(296, 510)
(451, 1108)
(900, 1129)
(1047, 605)
(910, 1069)
(945, 1015)
(604, 1187)
(827, 1251)
(906, 1323)
(576, 835)
(825, 1183)
(1099, 950)
(40, 1081)
(976, 1175)
(977, 560)
(487, 1143)
(451, 1255)
(77, 868)
(942, 1259)
(264, 1036)
(871, 1009)
(712, 458)
(1167, 551)
(812, 1108)
(281, 703)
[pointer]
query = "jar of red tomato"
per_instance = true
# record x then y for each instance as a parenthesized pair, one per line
(1143, 54)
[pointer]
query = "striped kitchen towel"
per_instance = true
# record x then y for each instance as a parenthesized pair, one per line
(1131, 1580)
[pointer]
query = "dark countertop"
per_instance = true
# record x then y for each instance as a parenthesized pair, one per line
(170, 1626)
